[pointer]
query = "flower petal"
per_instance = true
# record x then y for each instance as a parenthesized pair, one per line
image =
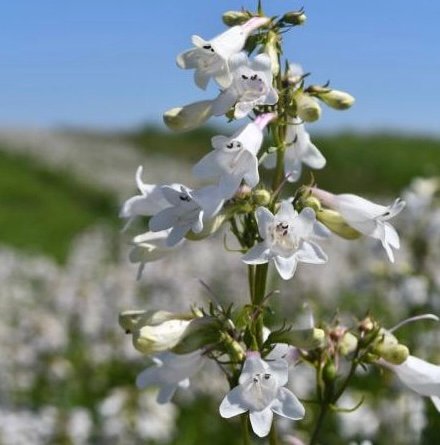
(166, 393)
(264, 219)
(287, 405)
(232, 404)
(286, 267)
(259, 254)
(224, 102)
(311, 253)
(261, 421)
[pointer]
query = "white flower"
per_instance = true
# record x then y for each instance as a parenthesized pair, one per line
(149, 202)
(170, 371)
(286, 239)
(251, 86)
(261, 392)
(210, 58)
(366, 216)
(149, 247)
(235, 158)
(186, 212)
(299, 150)
(420, 376)
(189, 116)
(295, 73)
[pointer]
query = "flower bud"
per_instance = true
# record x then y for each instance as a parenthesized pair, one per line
(330, 372)
(310, 338)
(334, 221)
(307, 108)
(233, 18)
(188, 117)
(161, 337)
(312, 202)
(261, 197)
(154, 331)
(272, 48)
(339, 100)
(348, 343)
(388, 347)
(295, 18)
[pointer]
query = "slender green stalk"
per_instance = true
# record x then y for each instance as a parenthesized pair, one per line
(273, 438)
(245, 429)
(319, 423)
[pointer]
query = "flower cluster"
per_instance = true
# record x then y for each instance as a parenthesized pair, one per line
(271, 223)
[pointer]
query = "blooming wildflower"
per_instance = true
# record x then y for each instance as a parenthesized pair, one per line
(299, 150)
(420, 376)
(251, 86)
(169, 372)
(149, 247)
(366, 216)
(261, 391)
(210, 58)
(186, 212)
(149, 202)
(286, 239)
(235, 158)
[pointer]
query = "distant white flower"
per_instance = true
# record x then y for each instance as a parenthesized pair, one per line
(251, 86)
(366, 216)
(299, 150)
(169, 372)
(187, 210)
(235, 158)
(287, 239)
(149, 247)
(149, 202)
(420, 376)
(210, 58)
(261, 391)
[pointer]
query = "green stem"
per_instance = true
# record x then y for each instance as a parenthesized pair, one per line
(322, 413)
(245, 429)
(273, 439)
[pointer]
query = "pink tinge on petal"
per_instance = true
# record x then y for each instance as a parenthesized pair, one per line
(263, 119)
(253, 354)
(327, 198)
(254, 23)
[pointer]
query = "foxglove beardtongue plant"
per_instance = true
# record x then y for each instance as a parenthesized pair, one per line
(275, 227)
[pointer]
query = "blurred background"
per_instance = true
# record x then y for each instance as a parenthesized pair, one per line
(83, 87)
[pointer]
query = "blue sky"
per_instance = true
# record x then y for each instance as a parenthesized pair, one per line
(111, 64)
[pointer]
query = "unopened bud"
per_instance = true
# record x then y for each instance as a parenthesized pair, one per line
(330, 372)
(261, 197)
(233, 18)
(367, 325)
(307, 107)
(272, 48)
(335, 222)
(188, 117)
(348, 343)
(295, 18)
(388, 347)
(339, 100)
(312, 202)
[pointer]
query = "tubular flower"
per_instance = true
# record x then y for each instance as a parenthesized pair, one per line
(189, 116)
(149, 247)
(299, 150)
(210, 58)
(235, 158)
(149, 202)
(169, 372)
(251, 86)
(286, 239)
(420, 376)
(366, 216)
(261, 391)
(186, 212)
